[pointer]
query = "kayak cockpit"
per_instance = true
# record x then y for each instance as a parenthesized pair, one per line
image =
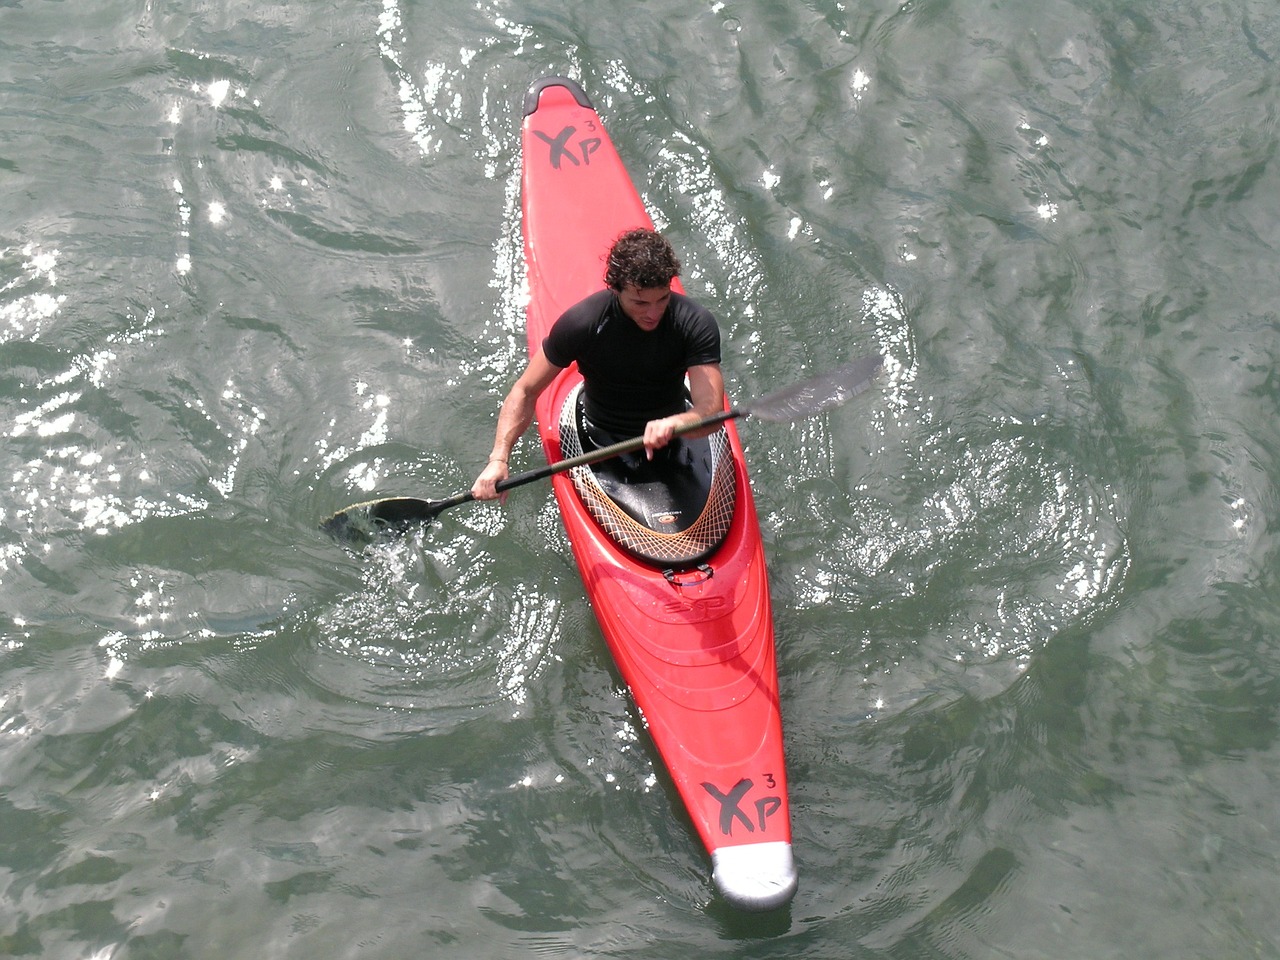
(673, 511)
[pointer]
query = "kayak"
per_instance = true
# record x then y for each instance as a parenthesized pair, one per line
(680, 591)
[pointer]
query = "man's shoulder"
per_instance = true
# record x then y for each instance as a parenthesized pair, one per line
(574, 329)
(584, 314)
(594, 303)
(689, 311)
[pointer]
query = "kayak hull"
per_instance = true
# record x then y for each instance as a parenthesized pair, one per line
(694, 646)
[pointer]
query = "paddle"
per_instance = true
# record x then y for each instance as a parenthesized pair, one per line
(362, 521)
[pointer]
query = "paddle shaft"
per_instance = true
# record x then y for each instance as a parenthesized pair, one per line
(802, 399)
(799, 399)
(591, 456)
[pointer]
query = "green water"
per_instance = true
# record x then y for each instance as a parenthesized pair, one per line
(258, 261)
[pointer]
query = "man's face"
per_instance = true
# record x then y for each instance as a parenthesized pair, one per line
(644, 305)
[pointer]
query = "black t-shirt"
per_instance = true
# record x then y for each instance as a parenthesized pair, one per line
(631, 375)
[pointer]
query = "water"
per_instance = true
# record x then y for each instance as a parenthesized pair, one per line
(258, 261)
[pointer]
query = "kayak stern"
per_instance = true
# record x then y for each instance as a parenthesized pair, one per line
(755, 876)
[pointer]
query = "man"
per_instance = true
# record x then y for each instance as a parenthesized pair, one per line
(634, 342)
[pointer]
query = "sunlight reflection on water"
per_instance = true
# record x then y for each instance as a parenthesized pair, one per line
(24, 316)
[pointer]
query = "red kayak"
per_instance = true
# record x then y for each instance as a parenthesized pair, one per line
(681, 595)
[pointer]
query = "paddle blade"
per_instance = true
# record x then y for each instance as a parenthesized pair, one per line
(818, 393)
(363, 522)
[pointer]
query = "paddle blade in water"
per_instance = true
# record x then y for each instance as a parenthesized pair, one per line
(363, 522)
(817, 393)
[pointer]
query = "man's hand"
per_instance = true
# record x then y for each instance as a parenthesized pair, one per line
(658, 433)
(706, 389)
(486, 485)
(513, 419)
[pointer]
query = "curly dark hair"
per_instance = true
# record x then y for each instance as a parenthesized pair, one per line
(641, 257)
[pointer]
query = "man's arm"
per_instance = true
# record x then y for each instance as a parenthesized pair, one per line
(513, 420)
(706, 390)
